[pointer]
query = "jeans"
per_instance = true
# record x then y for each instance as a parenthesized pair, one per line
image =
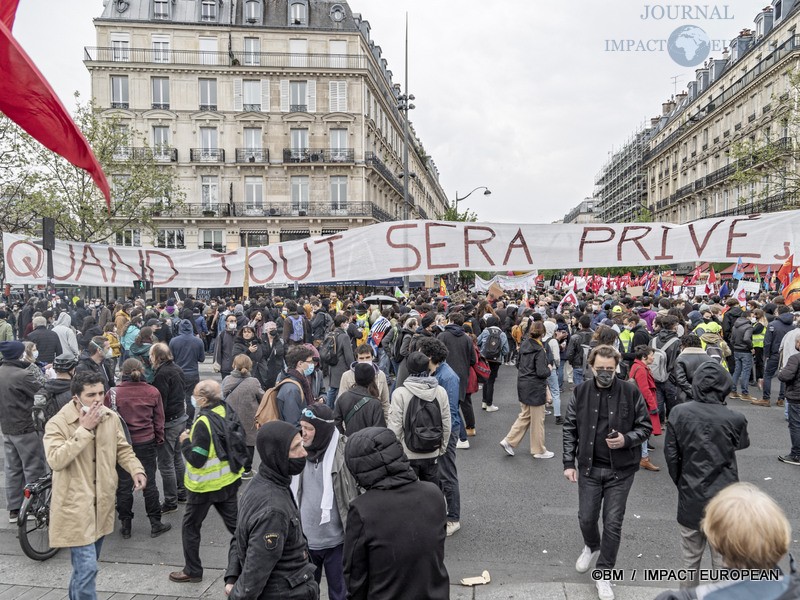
(332, 560)
(666, 394)
(560, 370)
(148, 456)
(331, 399)
(426, 469)
(693, 544)
(645, 450)
(744, 364)
(603, 487)
(488, 387)
(192, 522)
(448, 480)
(24, 463)
(84, 571)
(170, 463)
(555, 392)
(794, 427)
(577, 376)
(770, 370)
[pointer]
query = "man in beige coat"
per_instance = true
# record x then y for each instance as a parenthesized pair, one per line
(83, 444)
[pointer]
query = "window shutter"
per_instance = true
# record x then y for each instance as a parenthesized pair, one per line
(284, 95)
(265, 107)
(311, 90)
(343, 96)
(238, 105)
(333, 93)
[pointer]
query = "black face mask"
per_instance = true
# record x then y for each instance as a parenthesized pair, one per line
(706, 320)
(296, 466)
(604, 379)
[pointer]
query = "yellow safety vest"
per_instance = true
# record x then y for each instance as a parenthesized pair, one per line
(758, 338)
(625, 338)
(215, 474)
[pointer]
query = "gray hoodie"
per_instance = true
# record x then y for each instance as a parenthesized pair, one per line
(66, 335)
(425, 388)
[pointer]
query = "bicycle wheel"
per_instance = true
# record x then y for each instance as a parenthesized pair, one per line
(34, 526)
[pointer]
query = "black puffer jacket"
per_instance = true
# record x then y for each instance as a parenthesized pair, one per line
(728, 319)
(701, 443)
(169, 381)
(397, 557)
(742, 335)
(533, 373)
(790, 375)
(685, 366)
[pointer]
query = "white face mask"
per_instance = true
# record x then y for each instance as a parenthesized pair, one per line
(231, 326)
(35, 355)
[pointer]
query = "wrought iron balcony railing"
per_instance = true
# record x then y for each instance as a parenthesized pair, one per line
(252, 155)
(214, 155)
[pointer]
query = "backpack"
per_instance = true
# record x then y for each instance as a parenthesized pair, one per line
(113, 396)
(357, 407)
(363, 325)
(586, 349)
(481, 368)
(548, 352)
(297, 334)
(715, 352)
(268, 407)
(328, 350)
(659, 366)
(398, 343)
(423, 430)
(493, 346)
(231, 439)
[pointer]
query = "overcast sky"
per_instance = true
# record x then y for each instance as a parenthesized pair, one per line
(521, 96)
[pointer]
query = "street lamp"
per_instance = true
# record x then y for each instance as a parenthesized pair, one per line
(486, 192)
(404, 105)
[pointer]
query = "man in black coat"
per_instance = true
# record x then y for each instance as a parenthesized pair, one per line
(97, 359)
(782, 324)
(268, 558)
(47, 342)
(460, 352)
(700, 449)
(394, 542)
(605, 425)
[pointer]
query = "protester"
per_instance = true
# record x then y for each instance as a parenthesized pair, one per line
(297, 393)
(344, 357)
(66, 334)
(782, 324)
(188, 353)
(243, 393)
(359, 407)
(493, 345)
(365, 355)
(641, 375)
(790, 377)
(691, 357)
(274, 351)
(695, 429)
(140, 350)
(578, 349)
(48, 342)
(224, 349)
(742, 344)
(97, 358)
(395, 536)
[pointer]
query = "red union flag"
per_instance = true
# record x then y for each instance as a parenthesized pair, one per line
(27, 99)
(569, 298)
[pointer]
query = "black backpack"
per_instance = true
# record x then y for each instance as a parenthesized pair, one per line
(230, 440)
(493, 346)
(328, 350)
(398, 343)
(423, 430)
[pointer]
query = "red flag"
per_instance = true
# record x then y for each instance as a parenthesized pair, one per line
(786, 270)
(8, 10)
(569, 298)
(580, 273)
(711, 283)
(27, 99)
(792, 291)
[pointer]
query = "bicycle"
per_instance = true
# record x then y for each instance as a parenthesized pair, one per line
(33, 523)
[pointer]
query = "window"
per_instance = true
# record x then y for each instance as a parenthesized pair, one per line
(298, 13)
(129, 237)
(119, 91)
(337, 92)
(119, 188)
(339, 193)
(208, 51)
(253, 191)
(160, 87)
(120, 47)
(254, 239)
(299, 140)
(122, 142)
(298, 53)
(161, 149)
(298, 100)
(300, 193)
(208, 10)
(251, 91)
(252, 11)
(252, 138)
(208, 94)
(339, 150)
(212, 240)
(161, 9)
(209, 192)
(338, 54)
(252, 50)
(160, 48)
(170, 238)
(208, 139)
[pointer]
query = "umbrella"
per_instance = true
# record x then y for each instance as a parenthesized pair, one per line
(380, 300)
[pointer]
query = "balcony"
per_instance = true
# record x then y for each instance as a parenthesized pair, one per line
(124, 105)
(251, 107)
(158, 154)
(751, 118)
(308, 155)
(312, 209)
(774, 203)
(208, 107)
(298, 108)
(207, 210)
(160, 105)
(376, 163)
(207, 155)
(252, 155)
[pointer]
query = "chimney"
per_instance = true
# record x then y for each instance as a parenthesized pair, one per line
(654, 121)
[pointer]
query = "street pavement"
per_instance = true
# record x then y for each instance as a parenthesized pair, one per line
(518, 521)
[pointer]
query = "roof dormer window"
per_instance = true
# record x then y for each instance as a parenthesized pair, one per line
(337, 13)
(252, 11)
(298, 13)
(208, 10)
(161, 9)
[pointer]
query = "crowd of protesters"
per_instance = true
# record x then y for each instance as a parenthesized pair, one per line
(370, 404)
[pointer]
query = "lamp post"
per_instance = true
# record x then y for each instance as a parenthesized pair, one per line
(486, 192)
(404, 105)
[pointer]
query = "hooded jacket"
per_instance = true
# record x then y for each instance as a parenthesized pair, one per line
(460, 355)
(348, 382)
(187, 350)
(169, 381)
(243, 394)
(397, 557)
(427, 389)
(87, 363)
(790, 375)
(533, 373)
(778, 328)
(701, 443)
(742, 335)
(686, 364)
(269, 552)
(728, 319)
(672, 351)
(370, 414)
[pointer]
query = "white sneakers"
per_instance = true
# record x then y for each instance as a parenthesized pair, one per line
(604, 591)
(584, 561)
(547, 454)
(491, 408)
(507, 447)
(483, 405)
(452, 527)
(462, 445)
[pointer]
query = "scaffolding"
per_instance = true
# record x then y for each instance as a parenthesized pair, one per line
(620, 191)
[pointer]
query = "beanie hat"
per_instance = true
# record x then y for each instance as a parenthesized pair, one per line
(417, 363)
(364, 374)
(11, 350)
(427, 320)
(323, 424)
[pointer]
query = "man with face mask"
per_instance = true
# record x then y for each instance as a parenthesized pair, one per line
(269, 555)
(604, 427)
(97, 358)
(223, 351)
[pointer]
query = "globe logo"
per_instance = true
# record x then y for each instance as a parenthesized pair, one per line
(689, 45)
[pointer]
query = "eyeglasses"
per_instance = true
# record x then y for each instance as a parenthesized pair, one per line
(309, 414)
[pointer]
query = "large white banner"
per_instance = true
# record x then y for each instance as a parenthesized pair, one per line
(415, 248)
(507, 282)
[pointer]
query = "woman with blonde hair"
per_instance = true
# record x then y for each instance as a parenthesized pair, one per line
(242, 392)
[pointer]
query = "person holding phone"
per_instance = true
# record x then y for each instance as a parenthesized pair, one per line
(606, 423)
